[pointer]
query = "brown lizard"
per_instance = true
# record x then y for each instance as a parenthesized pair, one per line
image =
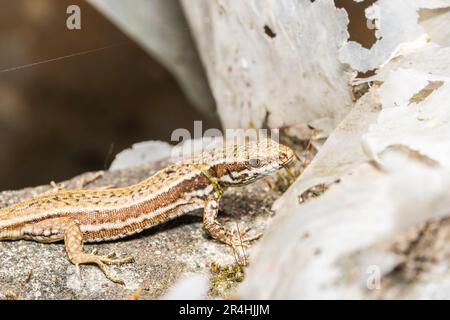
(80, 216)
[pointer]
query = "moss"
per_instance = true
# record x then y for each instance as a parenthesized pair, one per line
(225, 279)
(10, 296)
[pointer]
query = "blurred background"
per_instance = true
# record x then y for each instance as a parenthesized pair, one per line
(71, 115)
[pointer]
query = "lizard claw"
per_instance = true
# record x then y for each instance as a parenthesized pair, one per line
(252, 238)
(111, 254)
(244, 232)
(239, 239)
(108, 259)
(107, 256)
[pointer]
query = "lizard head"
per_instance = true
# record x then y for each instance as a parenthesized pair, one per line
(244, 163)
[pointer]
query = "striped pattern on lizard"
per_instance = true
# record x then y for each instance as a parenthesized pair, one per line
(80, 216)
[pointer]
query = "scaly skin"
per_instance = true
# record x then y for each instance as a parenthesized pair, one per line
(80, 216)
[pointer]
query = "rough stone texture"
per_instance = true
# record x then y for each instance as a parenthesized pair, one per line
(30, 270)
(268, 63)
(422, 263)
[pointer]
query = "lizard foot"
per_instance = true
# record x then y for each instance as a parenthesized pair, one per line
(239, 238)
(238, 241)
(73, 239)
(101, 262)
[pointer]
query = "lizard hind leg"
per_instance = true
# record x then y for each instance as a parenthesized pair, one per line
(73, 240)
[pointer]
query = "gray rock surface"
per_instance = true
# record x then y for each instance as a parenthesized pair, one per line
(31, 270)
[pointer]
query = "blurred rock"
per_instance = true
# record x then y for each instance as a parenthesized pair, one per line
(161, 28)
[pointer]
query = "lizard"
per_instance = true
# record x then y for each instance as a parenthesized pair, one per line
(79, 216)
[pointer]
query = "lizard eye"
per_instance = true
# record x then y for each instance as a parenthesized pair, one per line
(255, 162)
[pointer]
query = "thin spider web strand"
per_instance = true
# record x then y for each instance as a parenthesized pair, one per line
(29, 65)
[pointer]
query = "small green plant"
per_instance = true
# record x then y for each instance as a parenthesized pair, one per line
(225, 278)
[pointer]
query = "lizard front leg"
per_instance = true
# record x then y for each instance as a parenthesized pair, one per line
(217, 230)
(73, 240)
